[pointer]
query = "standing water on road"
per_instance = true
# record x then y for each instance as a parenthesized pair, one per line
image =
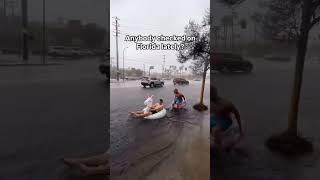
(151, 149)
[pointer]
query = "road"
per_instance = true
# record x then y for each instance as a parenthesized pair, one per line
(176, 147)
(49, 112)
(263, 100)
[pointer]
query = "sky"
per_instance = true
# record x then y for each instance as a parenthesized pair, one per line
(87, 10)
(154, 17)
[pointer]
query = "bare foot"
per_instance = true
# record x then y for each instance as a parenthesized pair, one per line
(69, 162)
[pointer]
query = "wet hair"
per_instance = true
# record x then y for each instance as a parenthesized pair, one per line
(175, 91)
(161, 100)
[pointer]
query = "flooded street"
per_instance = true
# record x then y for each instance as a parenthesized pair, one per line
(168, 148)
(263, 100)
(50, 112)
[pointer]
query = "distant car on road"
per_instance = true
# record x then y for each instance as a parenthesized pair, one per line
(151, 82)
(180, 81)
(104, 67)
(229, 62)
(67, 52)
(59, 51)
(277, 57)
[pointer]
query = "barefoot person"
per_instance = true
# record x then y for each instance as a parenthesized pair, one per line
(157, 107)
(94, 165)
(151, 110)
(178, 99)
(220, 120)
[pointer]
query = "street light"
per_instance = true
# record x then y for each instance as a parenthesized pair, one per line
(44, 51)
(123, 62)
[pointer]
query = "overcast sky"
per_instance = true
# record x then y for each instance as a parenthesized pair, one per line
(85, 10)
(154, 17)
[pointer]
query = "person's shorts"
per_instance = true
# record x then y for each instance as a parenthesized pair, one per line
(153, 112)
(178, 101)
(223, 123)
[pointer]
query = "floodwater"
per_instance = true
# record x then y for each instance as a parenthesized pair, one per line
(262, 98)
(174, 147)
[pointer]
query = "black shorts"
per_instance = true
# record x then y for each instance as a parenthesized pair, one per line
(153, 112)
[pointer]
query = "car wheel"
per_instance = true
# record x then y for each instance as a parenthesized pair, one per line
(144, 86)
(224, 69)
(248, 69)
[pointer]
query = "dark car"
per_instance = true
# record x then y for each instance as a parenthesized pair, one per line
(229, 62)
(104, 67)
(180, 81)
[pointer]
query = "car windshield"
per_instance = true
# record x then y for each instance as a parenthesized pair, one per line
(145, 78)
(153, 78)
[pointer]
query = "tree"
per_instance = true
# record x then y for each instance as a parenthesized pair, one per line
(198, 51)
(256, 18)
(295, 18)
(281, 21)
(226, 22)
(231, 4)
(309, 16)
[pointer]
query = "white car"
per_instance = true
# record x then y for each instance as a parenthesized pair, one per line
(151, 82)
(59, 51)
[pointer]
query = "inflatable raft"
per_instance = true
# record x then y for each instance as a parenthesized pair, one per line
(157, 115)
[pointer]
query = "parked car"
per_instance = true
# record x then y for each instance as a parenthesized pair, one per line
(104, 67)
(229, 62)
(151, 82)
(277, 57)
(10, 51)
(59, 51)
(180, 81)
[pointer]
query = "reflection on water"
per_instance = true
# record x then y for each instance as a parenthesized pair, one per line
(147, 148)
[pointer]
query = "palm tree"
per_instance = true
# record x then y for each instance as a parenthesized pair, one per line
(256, 18)
(226, 22)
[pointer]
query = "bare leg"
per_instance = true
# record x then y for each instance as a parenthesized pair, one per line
(93, 160)
(143, 115)
(138, 112)
(94, 170)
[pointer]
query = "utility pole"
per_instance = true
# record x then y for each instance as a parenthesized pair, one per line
(5, 9)
(144, 70)
(117, 31)
(163, 66)
(44, 48)
(11, 5)
(25, 49)
(123, 62)
(232, 27)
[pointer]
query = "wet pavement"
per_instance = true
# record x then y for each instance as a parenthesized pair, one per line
(175, 147)
(263, 100)
(50, 112)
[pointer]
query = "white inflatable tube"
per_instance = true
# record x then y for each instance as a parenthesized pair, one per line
(157, 115)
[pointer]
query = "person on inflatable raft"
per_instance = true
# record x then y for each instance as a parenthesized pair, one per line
(149, 109)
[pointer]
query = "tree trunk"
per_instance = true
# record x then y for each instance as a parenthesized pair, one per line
(255, 32)
(204, 75)
(302, 44)
(225, 36)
